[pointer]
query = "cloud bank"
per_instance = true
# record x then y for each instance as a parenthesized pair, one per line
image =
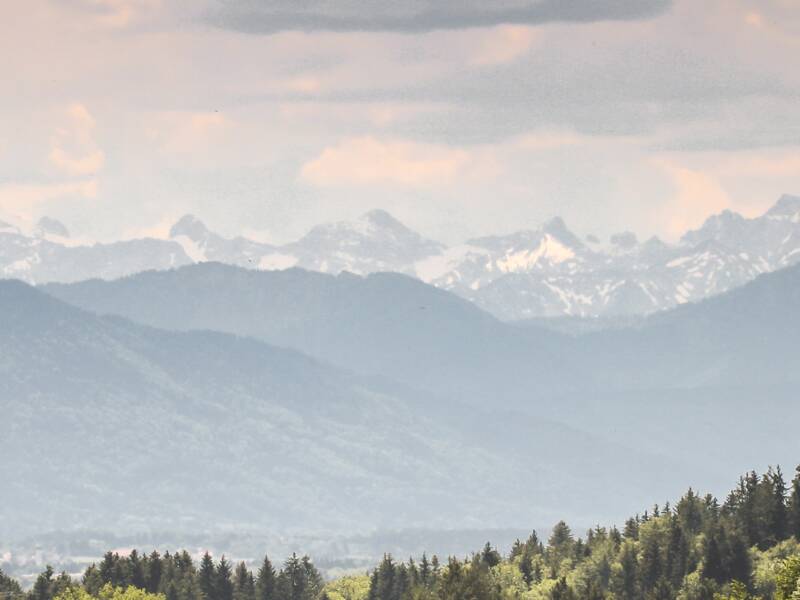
(272, 16)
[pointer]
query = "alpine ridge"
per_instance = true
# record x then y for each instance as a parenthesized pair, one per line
(530, 274)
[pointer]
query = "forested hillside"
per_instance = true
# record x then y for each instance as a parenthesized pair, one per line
(747, 546)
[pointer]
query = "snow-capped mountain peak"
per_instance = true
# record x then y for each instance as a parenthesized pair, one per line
(716, 227)
(541, 272)
(375, 241)
(787, 208)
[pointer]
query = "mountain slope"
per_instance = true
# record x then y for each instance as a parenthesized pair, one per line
(101, 415)
(383, 324)
(680, 389)
(747, 336)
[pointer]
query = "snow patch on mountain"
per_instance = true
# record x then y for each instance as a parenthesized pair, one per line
(541, 272)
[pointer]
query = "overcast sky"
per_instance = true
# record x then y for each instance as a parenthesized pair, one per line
(461, 118)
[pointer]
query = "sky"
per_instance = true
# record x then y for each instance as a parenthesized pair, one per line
(266, 117)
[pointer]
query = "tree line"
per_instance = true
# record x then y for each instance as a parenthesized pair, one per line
(746, 547)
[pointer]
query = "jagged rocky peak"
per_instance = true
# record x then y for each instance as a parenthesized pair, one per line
(48, 226)
(787, 207)
(714, 227)
(382, 219)
(624, 240)
(189, 226)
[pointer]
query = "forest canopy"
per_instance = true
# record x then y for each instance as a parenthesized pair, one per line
(746, 547)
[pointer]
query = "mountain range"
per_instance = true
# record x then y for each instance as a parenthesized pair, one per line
(255, 399)
(678, 391)
(112, 424)
(544, 272)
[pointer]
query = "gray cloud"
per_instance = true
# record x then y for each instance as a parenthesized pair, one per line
(271, 16)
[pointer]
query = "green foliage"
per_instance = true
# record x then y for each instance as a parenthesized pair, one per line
(9, 589)
(348, 588)
(744, 549)
(787, 581)
(108, 592)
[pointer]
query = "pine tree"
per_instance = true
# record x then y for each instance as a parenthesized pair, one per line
(425, 573)
(490, 556)
(794, 506)
(9, 588)
(299, 579)
(92, 581)
(562, 591)
(626, 577)
(677, 562)
(266, 582)
(243, 585)
(533, 544)
(386, 578)
(650, 562)
(526, 568)
(712, 559)
(136, 569)
(223, 581)
(314, 581)
(153, 572)
(662, 590)
(777, 513)
(44, 586)
(435, 566)
(107, 567)
(689, 512)
(631, 530)
(206, 578)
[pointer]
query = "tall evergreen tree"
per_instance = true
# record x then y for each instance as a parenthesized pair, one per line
(206, 578)
(490, 556)
(153, 572)
(626, 578)
(266, 581)
(794, 506)
(713, 567)
(9, 588)
(136, 570)
(651, 564)
(44, 586)
(223, 580)
(244, 587)
(562, 591)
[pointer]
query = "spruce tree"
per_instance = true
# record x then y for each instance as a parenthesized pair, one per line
(425, 572)
(44, 586)
(626, 578)
(778, 516)
(631, 530)
(562, 591)
(713, 567)
(650, 562)
(266, 581)
(206, 578)
(223, 580)
(490, 556)
(794, 506)
(243, 585)
(136, 569)
(153, 572)
(9, 588)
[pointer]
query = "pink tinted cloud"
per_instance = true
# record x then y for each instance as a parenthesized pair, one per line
(368, 160)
